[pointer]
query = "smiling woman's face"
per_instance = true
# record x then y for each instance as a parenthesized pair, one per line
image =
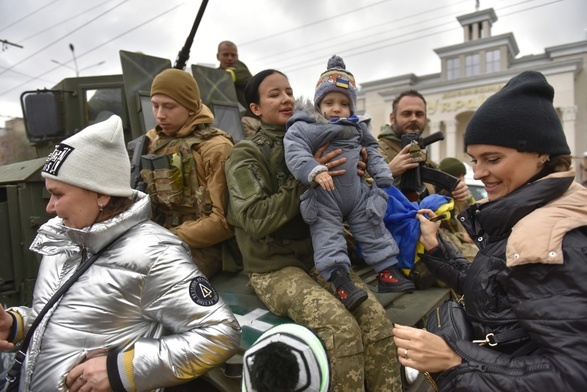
(276, 100)
(77, 207)
(503, 170)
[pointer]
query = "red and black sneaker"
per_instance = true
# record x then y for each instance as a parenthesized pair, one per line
(350, 295)
(392, 280)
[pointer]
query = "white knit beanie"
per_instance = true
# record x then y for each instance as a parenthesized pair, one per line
(95, 159)
(307, 349)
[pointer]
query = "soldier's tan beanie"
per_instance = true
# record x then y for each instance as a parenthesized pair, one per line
(178, 85)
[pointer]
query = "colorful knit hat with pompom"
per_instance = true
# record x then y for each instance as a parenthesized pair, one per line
(336, 79)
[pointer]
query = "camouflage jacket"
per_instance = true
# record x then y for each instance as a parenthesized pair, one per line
(264, 204)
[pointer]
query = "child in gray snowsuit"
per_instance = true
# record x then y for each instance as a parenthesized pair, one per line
(331, 200)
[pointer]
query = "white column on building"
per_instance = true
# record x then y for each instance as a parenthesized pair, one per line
(434, 148)
(451, 138)
(486, 29)
(569, 117)
(475, 31)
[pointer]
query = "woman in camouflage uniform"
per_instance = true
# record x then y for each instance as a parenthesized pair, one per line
(264, 207)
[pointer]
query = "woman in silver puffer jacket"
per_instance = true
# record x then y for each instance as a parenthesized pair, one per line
(142, 316)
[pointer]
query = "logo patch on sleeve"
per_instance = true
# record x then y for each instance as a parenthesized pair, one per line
(202, 292)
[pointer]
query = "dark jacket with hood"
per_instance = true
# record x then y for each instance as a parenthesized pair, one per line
(530, 273)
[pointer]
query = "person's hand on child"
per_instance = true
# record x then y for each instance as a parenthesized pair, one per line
(330, 159)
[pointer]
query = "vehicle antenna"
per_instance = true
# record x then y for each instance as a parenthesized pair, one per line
(184, 53)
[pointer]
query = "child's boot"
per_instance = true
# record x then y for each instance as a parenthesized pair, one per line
(349, 294)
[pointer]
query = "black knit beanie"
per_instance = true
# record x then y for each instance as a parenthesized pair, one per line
(520, 116)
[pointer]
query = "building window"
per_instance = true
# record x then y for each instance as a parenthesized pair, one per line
(472, 65)
(453, 68)
(492, 61)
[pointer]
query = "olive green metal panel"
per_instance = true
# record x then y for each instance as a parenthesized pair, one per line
(6, 267)
(11, 256)
(77, 103)
(21, 171)
(218, 93)
(75, 99)
(405, 308)
(215, 85)
(23, 199)
(138, 72)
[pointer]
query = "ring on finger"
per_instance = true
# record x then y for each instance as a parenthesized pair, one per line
(406, 353)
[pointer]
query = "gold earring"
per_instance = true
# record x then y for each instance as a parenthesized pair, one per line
(101, 207)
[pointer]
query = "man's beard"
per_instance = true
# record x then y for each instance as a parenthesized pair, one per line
(411, 127)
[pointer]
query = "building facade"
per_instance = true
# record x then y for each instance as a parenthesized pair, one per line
(474, 70)
(14, 146)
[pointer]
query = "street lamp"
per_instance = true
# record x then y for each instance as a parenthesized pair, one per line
(74, 59)
(94, 65)
(62, 64)
(76, 69)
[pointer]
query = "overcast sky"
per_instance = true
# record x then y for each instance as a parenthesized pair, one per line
(376, 38)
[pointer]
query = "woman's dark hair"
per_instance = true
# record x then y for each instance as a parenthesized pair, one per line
(252, 87)
(555, 164)
(559, 163)
(115, 206)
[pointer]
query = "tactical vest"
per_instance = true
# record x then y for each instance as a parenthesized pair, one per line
(172, 183)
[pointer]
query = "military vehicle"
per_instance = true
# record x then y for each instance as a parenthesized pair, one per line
(52, 115)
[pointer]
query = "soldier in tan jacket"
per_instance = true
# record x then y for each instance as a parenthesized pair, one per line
(184, 169)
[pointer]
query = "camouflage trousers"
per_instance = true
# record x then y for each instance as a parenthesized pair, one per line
(360, 345)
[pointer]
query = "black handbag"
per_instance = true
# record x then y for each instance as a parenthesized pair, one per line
(450, 322)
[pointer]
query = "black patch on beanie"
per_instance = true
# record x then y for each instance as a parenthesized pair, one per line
(56, 159)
